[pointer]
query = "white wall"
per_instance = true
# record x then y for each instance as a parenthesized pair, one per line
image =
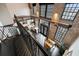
(20, 9)
(5, 18)
(7, 11)
(74, 49)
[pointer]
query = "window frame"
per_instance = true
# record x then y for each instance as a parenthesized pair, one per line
(44, 30)
(65, 32)
(50, 11)
(70, 12)
(46, 9)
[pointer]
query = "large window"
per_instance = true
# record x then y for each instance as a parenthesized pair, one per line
(70, 11)
(46, 9)
(49, 10)
(44, 27)
(44, 30)
(43, 8)
(60, 34)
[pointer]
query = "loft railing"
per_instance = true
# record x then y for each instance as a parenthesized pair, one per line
(33, 45)
(64, 25)
(46, 19)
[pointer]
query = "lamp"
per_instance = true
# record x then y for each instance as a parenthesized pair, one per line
(37, 14)
(55, 18)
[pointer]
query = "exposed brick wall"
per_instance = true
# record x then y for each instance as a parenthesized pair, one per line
(58, 8)
(52, 31)
(73, 32)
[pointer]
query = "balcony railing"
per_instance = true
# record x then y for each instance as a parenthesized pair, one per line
(33, 45)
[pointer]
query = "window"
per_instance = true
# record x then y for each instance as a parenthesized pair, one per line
(46, 9)
(43, 8)
(44, 30)
(70, 11)
(49, 10)
(44, 27)
(61, 31)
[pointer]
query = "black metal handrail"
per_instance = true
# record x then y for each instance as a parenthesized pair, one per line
(26, 34)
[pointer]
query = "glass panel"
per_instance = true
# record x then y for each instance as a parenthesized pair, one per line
(72, 18)
(76, 9)
(70, 10)
(43, 10)
(49, 11)
(62, 17)
(67, 5)
(66, 17)
(64, 13)
(45, 30)
(50, 6)
(66, 9)
(70, 5)
(67, 13)
(70, 14)
(74, 5)
(78, 5)
(41, 29)
(74, 14)
(60, 33)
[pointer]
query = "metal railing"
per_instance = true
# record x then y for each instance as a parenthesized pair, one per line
(7, 31)
(33, 45)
